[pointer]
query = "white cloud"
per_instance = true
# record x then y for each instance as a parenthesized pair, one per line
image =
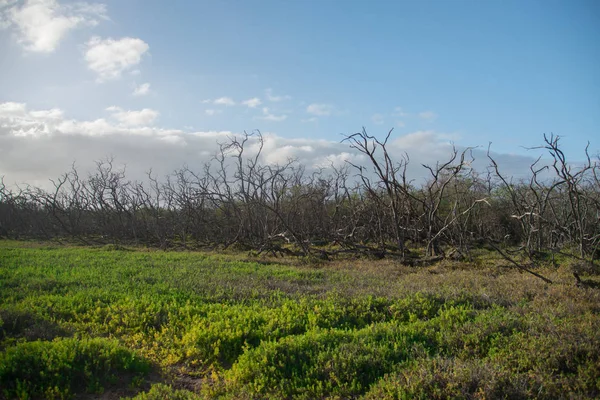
(275, 99)
(253, 102)
(377, 119)
(23, 123)
(425, 145)
(142, 89)
(212, 112)
(96, 9)
(12, 109)
(400, 124)
(320, 110)
(133, 118)
(27, 135)
(110, 57)
(428, 115)
(40, 25)
(53, 114)
(341, 159)
(289, 152)
(419, 140)
(268, 116)
(224, 101)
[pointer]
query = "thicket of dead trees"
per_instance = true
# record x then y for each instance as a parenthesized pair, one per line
(374, 209)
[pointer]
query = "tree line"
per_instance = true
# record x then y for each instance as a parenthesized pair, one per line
(374, 209)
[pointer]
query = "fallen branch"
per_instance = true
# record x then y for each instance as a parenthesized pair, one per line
(516, 264)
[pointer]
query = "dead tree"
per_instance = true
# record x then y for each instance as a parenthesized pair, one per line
(390, 175)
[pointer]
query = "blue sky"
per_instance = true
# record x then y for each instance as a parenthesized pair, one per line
(470, 72)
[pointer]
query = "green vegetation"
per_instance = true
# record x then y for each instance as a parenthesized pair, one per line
(56, 369)
(75, 322)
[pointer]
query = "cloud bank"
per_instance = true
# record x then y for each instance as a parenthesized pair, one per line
(37, 145)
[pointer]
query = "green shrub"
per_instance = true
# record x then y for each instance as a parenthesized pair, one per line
(476, 338)
(442, 378)
(416, 307)
(558, 357)
(225, 331)
(17, 324)
(324, 362)
(65, 367)
(161, 391)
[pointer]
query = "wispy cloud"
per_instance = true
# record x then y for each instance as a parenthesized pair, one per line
(320, 110)
(275, 99)
(142, 89)
(252, 103)
(133, 118)
(40, 25)
(268, 116)
(224, 101)
(212, 112)
(110, 57)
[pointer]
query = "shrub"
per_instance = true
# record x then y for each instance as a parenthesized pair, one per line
(325, 362)
(64, 367)
(17, 324)
(476, 338)
(161, 391)
(444, 378)
(562, 357)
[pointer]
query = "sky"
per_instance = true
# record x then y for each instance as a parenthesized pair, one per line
(157, 84)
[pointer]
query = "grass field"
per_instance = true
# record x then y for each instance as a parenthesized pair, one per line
(117, 323)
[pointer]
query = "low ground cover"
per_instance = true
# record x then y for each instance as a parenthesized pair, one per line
(77, 322)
